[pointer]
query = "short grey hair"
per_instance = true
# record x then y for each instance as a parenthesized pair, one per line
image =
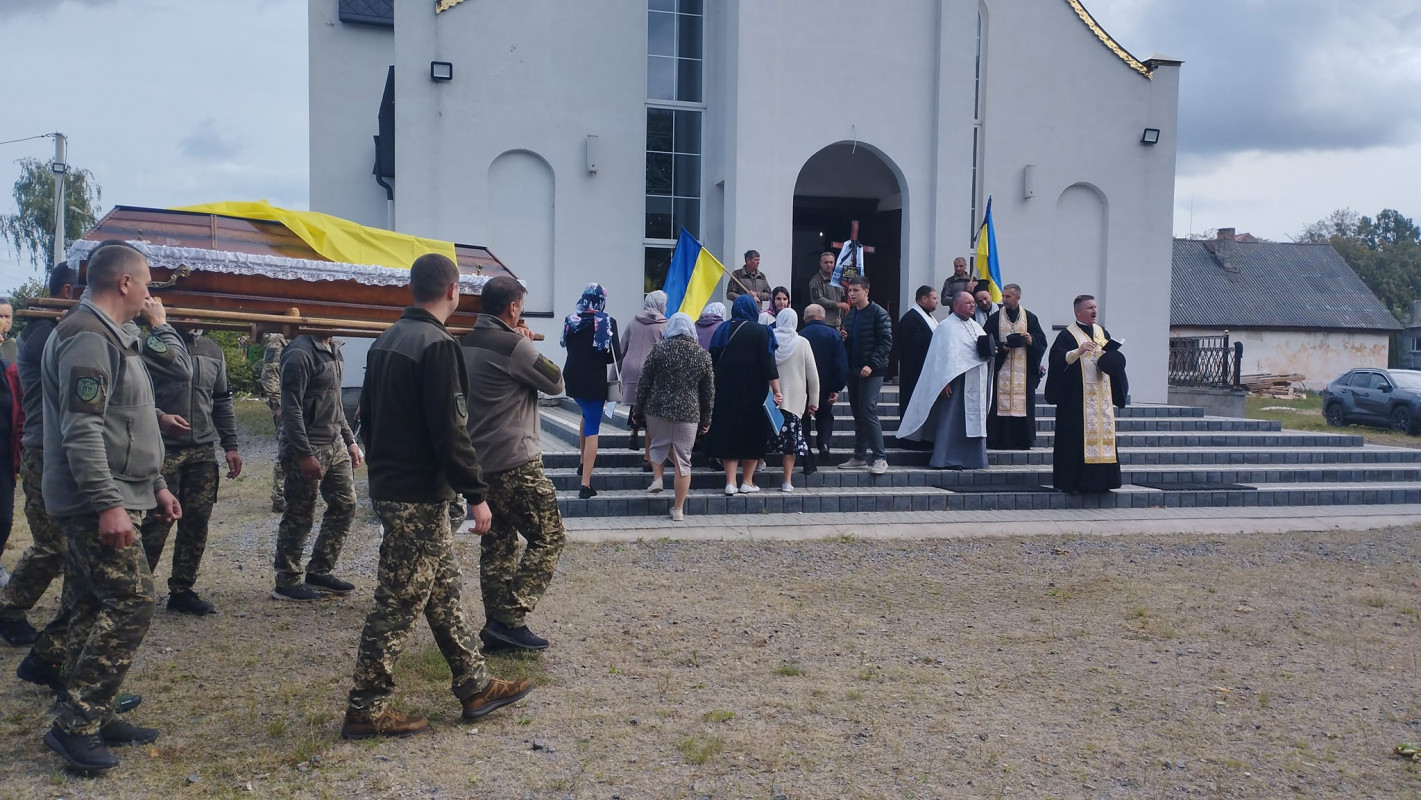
(813, 311)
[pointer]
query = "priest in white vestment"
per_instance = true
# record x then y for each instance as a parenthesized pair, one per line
(950, 403)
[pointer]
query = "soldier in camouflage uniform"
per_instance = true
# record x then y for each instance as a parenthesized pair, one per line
(414, 415)
(507, 373)
(319, 452)
(271, 389)
(103, 453)
(196, 390)
(45, 557)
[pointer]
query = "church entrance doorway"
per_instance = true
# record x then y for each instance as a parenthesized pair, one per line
(843, 183)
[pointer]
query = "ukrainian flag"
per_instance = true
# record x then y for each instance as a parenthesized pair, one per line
(692, 277)
(987, 265)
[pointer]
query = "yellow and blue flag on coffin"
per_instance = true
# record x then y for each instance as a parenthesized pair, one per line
(988, 267)
(692, 277)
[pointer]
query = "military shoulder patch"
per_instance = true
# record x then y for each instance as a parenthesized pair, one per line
(461, 405)
(87, 393)
(157, 345)
(547, 368)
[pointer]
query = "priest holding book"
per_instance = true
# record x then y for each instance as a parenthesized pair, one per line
(1086, 381)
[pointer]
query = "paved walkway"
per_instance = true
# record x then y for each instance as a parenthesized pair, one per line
(964, 524)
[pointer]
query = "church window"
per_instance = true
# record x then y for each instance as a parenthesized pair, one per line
(674, 78)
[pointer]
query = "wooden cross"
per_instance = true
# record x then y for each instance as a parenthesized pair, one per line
(853, 237)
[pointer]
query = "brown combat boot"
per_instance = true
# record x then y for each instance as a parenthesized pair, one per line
(387, 723)
(496, 695)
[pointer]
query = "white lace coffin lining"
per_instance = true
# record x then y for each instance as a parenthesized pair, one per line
(278, 267)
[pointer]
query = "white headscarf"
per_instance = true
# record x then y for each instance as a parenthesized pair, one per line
(681, 324)
(655, 301)
(785, 324)
(716, 310)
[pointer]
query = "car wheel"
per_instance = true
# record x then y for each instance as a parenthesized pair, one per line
(1401, 419)
(1334, 415)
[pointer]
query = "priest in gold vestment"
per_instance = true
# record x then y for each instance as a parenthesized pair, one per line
(1086, 381)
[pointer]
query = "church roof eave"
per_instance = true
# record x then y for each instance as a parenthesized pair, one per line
(440, 6)
(1145, 69)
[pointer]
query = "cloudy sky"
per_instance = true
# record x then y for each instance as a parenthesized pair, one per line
(1288, 108)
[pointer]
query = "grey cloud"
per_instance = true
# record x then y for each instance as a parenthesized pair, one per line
(206, 143)
(16, 8)
(1286, 76)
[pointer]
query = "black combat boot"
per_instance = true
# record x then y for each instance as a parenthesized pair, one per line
(41, 673)
(18, 632)
(83, 752)
(188, 602)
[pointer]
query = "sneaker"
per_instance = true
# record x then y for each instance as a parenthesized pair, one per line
(677, 515)
(83, 752)
(18, 632)
(854, 463)
(746, 488)
(878, 467)
(387, 723)
(730, 488)
(41, 673)
(329, 583)
(655, 487)
(297, 592)
(586, 493)
(118, 732)
(126, 702)
(786, 487)
(496, 695)
(519, 637)
(188, 602)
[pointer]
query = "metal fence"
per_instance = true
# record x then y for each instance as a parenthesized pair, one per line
(1205, 361)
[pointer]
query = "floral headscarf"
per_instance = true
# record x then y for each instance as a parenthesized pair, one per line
(594, 299)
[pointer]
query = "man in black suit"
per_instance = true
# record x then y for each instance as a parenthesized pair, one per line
(915, 332)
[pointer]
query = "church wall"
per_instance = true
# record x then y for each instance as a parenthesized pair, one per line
(538, 78)
(810, 74)
(348, 64)
(1058, 99)
(1320, 355)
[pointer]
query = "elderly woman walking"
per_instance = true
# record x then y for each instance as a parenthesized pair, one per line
(711, 318)
(744, 373)
(590, 336)
(642, 334)
(799, 380)
(677, 392)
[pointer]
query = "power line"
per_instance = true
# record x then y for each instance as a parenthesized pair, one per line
(27, 138)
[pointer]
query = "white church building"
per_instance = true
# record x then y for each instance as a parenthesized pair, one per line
(575, 139)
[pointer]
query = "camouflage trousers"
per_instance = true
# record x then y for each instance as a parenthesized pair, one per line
(109, 594)
(337, 486)
(44, 559)
(191, 473)
(278, 467)
(524, 501)
(418, 573)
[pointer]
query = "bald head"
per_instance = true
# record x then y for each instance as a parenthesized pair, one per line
(118, 278)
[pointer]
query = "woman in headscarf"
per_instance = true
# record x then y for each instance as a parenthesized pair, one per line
(744, 373)
(710, 319)
(590, 336)
(799, 380)
(677, 392)
(642, 334)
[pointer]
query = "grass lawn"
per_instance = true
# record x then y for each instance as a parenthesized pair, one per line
(1305, 414)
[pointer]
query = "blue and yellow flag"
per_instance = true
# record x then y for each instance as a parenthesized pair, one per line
(988, 267)
(692, 277)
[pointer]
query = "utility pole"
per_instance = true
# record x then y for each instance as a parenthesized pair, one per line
(59, 168)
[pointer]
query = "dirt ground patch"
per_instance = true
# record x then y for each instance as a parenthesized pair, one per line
(1117, 667)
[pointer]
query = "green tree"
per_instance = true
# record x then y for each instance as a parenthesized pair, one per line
(1385, 252)
(30, 230)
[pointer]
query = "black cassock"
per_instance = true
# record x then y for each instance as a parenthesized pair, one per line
(913, 339)
(1069, 471)
(1016, 433)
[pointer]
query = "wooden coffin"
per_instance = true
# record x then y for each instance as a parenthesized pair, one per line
(196, 283)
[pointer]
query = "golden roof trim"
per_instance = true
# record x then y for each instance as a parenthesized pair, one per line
(440, 6)
(1105, 39)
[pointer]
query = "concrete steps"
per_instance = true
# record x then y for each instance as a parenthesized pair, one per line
(1187, 458)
